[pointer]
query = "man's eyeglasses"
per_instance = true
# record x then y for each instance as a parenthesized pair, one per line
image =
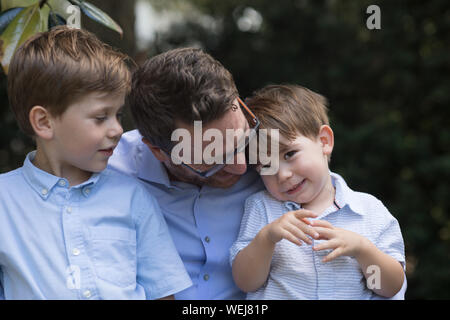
(253, 123)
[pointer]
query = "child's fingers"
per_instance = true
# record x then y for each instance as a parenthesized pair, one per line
(321, 223)
(330, 244)
(324, 233)
(305, 228)
(302, 213)
(306, 221)
(303, 223)
(333, 255)
(288, 236)
(297, 232)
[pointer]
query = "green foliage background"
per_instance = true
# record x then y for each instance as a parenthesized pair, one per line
(388, 91)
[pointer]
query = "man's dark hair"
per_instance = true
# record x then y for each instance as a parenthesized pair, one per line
(184, 84)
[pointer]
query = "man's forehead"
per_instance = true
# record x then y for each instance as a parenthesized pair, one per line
(232, 119)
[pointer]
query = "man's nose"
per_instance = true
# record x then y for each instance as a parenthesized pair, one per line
(238, 166)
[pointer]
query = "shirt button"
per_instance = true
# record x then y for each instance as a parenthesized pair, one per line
(69, 209)
(207, 239)
(206, 277)
(75, 252)
(87, 190)
(62, 183)
(44, 191)
(87, 293)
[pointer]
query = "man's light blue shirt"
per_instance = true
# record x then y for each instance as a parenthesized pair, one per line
(297, 272)
(103, 239)
(203, 221)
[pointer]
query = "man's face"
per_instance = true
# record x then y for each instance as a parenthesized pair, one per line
(233, 119)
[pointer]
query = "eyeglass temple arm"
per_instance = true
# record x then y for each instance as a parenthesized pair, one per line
(246, 108)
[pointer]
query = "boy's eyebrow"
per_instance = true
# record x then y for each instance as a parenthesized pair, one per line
(284, 147)
(108, 107)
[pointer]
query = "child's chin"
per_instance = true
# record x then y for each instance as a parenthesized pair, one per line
(96, 168)
(280, 197)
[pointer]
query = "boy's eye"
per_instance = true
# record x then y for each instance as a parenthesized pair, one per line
(119, 115)
(289, 154)
(100, 118)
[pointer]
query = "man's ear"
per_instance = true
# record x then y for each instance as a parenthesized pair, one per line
(326, 137)
(41, 122)
(157, 151)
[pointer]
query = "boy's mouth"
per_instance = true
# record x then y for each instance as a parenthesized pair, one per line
(107, 152)
(296, 188)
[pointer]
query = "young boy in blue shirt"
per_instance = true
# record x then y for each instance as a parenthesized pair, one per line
(308, 235)
(69, 228)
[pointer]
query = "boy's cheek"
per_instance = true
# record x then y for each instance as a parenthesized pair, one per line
(271, 185)
(272, 169)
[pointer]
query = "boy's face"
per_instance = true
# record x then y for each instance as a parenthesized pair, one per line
(303, 168)
(86, 134)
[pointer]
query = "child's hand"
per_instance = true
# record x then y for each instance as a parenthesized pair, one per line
(343, 242)
(292, 226)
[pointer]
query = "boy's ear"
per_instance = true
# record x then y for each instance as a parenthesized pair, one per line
(157, 151)
(41, 122)
(326, 137)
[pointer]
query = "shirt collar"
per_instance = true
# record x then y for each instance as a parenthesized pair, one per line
(149, 168)
(43, 182)
(344, 196)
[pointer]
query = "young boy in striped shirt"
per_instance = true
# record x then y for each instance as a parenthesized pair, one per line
(308, 235)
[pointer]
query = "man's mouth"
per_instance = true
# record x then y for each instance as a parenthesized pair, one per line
(296, 188)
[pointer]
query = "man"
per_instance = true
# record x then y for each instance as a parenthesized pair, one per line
(186, 91)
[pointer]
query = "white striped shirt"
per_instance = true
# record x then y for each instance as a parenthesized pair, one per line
(297, 272)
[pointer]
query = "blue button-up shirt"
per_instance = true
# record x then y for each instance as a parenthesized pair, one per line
(297, 272)
(102, 239)
(203, 221)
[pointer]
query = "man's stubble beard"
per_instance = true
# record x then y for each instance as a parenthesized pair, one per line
(179, 173)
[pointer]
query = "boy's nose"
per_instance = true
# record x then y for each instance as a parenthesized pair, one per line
(283, 173)
(116, 130)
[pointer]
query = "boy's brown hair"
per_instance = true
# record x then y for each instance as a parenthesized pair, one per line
(54, 69)
(292, 109)
(185, 85)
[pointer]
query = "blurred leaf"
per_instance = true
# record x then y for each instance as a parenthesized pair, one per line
(7, 16)
(8, 4)
(97, 15)
(44, 13)
(60, 7)
(24, 25)
(55, 19)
